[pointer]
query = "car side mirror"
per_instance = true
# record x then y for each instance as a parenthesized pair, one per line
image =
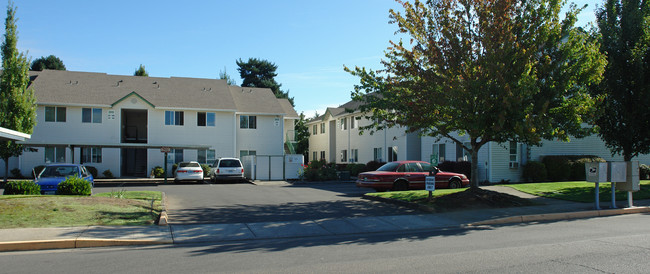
(434, 171)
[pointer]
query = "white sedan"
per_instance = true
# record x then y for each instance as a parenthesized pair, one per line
(188, 171)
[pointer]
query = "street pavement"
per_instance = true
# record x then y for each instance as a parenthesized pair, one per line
(175, 233)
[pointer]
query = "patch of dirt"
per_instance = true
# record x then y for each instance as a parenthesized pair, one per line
(108, 201)
(474, 199)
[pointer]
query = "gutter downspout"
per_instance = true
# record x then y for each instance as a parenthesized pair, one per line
(234, 135)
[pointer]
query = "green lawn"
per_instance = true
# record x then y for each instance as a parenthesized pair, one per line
(414, 195)
(135, 208)
(580, 191)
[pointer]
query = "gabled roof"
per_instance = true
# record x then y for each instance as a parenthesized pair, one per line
(288, 109)
(342, 110)
(255, 100)
(55, 87)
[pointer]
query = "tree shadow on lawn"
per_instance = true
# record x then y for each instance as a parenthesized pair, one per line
(588, 194)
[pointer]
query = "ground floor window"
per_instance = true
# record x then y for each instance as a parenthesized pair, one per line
(206, 156)
(314, 155)
(91, 154)
(175, 156)
(322, 155)
(344, 156)
(354, 155)
(392, 154)
(377, 154)
(54, 155)
(243, 153)
(439, 152)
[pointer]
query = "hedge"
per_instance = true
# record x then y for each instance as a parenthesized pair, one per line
(22, 188)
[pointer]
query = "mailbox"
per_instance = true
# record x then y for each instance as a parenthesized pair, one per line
(632, 182)
(596, 172)
(617, 172)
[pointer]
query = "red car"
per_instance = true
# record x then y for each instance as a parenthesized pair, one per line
(406, 175)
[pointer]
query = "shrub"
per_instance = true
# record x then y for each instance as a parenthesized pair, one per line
(158, 172)
(206, 170)
(320, 171)
(92, 170)
(558, 168)
(108, 174)
(578, 166)
(644, 172)
(15, 173)
(38, 169)
(534, 172)
(22, 188)
(74, 186)
(355, 169)
(373, 165)
(174, 167)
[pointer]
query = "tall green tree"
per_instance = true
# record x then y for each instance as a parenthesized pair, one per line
(261, 74)
(496, 71)
(225, 76)
(302, 136)
(141, 71)
(50, 62)
(17, 102)
(623, 116)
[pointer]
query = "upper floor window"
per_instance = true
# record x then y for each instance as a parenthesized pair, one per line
(175, 118)
(205, 119)
(246, 121)
(353, 122)
(91, 115)
(322, 128)
(314, 129)
(344, 123)
(55, 114)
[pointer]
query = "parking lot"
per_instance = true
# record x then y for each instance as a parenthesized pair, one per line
(265, 202)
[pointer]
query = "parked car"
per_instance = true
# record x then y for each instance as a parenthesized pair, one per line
(407, 175)
(188, 171)
(227, 169)
(53, 174)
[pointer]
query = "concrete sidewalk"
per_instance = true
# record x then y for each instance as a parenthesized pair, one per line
(99, 236)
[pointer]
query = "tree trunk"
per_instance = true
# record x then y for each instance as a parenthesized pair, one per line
(474, 182)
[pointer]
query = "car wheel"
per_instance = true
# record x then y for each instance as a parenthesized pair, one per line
(454, 183)
(401, 185)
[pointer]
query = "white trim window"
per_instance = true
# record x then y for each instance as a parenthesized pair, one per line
(440, 150)
(205, 119)
(344, 123)
(91, 154)
(322, 155)
(175, 156)
(344, 156)
(377, 154)
(314, 130)
(243, 153)
(514, 154)
(55, 114)
(91, 115)
(54, 155)
(322, 128)
(247, 121)
(354, 155)
(174, 118)
(315, 156)
(205, 156)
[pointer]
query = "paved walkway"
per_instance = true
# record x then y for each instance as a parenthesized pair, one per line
(97, 236)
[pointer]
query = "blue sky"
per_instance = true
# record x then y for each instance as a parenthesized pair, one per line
(310, 41)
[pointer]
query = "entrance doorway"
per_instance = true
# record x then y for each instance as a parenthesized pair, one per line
(134, 162)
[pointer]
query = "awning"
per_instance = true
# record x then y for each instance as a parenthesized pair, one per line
(8, 134)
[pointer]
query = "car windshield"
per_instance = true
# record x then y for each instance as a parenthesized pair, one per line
(229, 163)
(388, 167)
(184, 164)
(59, 171)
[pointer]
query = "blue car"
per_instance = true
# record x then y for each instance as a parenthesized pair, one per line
(53, 174)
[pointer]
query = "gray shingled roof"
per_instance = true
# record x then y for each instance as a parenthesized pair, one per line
(288, 109)
(338, 111)
(101, 89)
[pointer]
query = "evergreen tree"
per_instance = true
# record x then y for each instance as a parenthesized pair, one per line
(302, 136)
(140, 71)
(224, 76)
(17, 102)
(261, 74)
(50, 62)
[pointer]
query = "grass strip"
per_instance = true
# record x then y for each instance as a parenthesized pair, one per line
(20, 211)
(580, 191)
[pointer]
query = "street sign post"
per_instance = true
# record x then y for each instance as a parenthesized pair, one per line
(165, 150)
(430, 185)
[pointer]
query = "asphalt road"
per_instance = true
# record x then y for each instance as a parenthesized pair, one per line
(617, 244)
(246, 203)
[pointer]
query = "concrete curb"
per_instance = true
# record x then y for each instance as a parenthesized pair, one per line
(163, 219)
(73, 243)
(562, 216)
(400, 203)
